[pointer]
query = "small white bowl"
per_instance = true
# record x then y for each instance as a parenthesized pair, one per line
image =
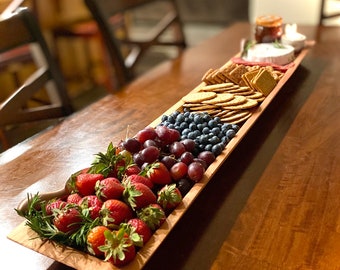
(297, 41)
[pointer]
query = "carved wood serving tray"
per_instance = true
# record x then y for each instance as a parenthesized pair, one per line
(23, 235)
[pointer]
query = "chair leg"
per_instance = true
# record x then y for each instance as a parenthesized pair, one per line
(3, 139)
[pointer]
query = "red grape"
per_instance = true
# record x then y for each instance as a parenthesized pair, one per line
(204, 164)
(168, 161)
(195, 171)
(147, 133)
(177, 149)
(150, 142)
(175, 135)
(150, 154)
(186, 157)
(137, 158)
(163, 134)
(207, 156)
(178, 171)
(132, 145)
(189, 144)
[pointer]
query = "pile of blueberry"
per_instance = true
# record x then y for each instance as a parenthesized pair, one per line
(209, 133)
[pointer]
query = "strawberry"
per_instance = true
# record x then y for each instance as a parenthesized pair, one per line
(96, 238)
(55, 204)
(112, 163)
(138, 195)
(68, 220)
(141, 228)
(92, 205)
(158, 173)
(115, 212)
(132, 169)
(73, 198)
(119, 248)
(153, 215)
(169, 197)
(86, 182)
(109, 188)
(136, 178)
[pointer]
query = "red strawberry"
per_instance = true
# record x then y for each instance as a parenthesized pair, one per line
(73, 198)
(109, 188)
(95, 239)
(52, 205)
(169, 197)
(132, 169)
(136, 178)
(119, 248)
(68, 220)
(141, 228)
(138, 195)
(153, 215)
(92, 204)
(85, 183)
(158, 173)
(115, 212)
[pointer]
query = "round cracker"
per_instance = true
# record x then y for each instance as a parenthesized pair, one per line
(234, 117)
(235, 101)
(198, 97)
(255, 95)
(223, 97)
(240, 120)
(250, 103)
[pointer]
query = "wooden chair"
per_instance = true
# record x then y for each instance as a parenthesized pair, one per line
(18, 30)
(82, 28)
(329, 9)
(124, 50)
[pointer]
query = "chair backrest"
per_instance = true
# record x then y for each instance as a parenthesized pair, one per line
(108, 13)
(18, 30)
(304, 12)
(330, 12)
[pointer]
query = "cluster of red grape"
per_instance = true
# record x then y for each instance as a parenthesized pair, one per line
(165, 145)
(208, 133)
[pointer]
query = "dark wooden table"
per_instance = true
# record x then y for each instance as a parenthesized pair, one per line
(274, 203)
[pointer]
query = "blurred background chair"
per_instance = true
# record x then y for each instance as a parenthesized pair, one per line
(43, 94)
(330, 12)
(116, 19)
(74, 26)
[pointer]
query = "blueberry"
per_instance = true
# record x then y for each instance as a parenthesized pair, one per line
(206, 130)
(179, 118)
(235, 127)
(184, 125)
(208, 147)
(226, 126)
(215, 130)
(212, 123)
(231, 133)
(192, 126)
(214, 140)
(217, 149)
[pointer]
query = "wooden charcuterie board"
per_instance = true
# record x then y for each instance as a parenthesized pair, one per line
(23, 235)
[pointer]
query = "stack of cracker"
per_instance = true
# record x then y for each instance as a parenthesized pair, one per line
(261, 79)
(230, 102)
